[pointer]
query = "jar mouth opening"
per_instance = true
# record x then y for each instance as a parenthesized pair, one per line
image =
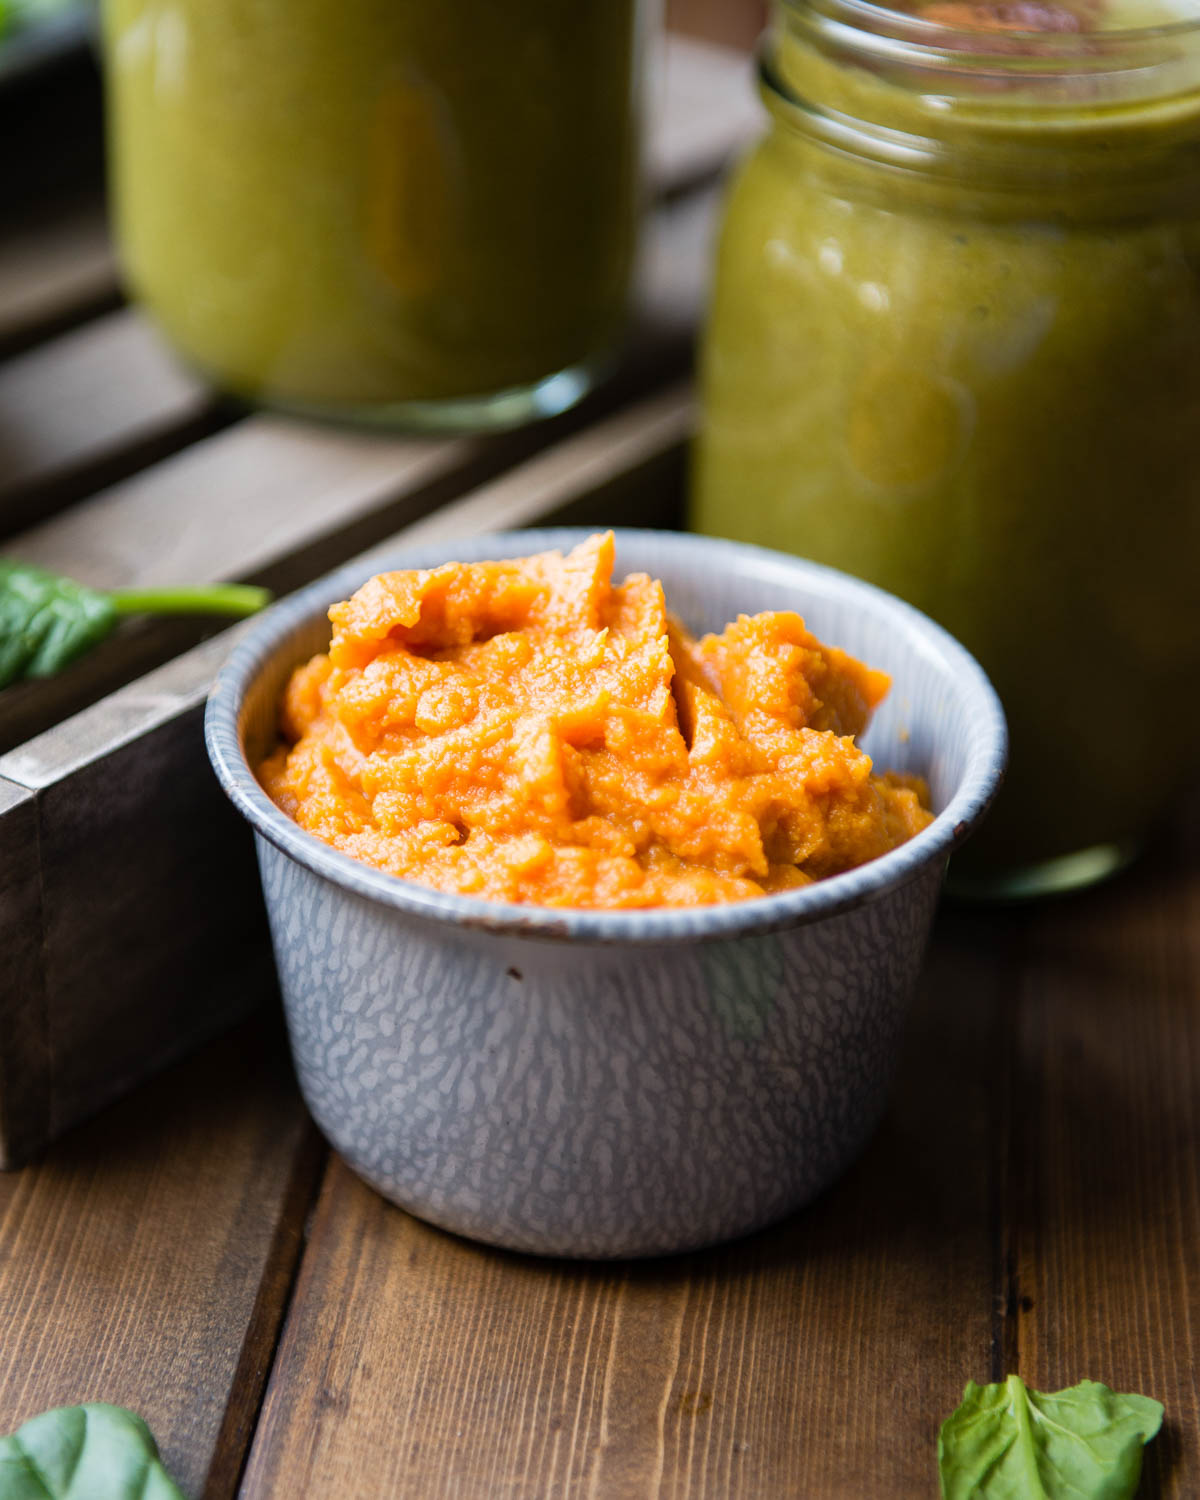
(1135, 87)
(888, 24)
(1094, 66)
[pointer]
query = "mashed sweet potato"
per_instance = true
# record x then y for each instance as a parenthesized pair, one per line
(527, 731)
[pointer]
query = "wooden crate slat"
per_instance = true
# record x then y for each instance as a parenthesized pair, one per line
(414, 1363)
(88, 405)
(142, 861)
(231, 504)
(581, 466)
(147, 1260)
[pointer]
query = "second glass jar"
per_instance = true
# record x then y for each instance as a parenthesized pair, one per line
(954, 348)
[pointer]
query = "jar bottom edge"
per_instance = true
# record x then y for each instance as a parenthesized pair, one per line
(496, 412)
(1047, 877)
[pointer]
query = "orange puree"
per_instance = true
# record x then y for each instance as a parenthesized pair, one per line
(527, 731)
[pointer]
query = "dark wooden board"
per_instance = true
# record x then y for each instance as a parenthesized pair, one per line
(147, 1260)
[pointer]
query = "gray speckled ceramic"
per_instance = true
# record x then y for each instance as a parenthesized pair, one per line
(613, 1083)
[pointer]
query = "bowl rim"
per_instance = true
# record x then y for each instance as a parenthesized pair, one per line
(976, 790)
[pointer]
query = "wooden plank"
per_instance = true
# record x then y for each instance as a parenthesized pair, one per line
(86, 407)
(815, 1359)
(141, 861)
(234, 503)
(147, 1260)
(1104, 1220)
(610, 453)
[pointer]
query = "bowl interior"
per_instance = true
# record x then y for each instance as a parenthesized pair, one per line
(919, 727)
(941, 719)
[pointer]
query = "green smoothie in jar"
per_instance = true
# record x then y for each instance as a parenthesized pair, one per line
(388, 209)
(954, 347)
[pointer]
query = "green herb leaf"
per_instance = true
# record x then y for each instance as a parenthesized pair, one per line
(1006, 1442)
(46, 620)
(92, 1452)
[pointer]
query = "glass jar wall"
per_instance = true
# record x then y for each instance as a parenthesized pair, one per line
(385, 210)
(954, 348)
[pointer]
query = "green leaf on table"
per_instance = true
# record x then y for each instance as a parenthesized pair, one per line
(1006, 1442)
(47, 621)
(91, 1452)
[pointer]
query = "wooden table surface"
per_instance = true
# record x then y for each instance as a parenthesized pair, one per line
(1031, 1202)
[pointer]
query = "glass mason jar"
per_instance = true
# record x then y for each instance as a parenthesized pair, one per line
(385, 210)
(954, 347)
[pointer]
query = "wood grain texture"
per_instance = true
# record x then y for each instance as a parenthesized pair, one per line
(1103, 1222)
(145, 1261)
(814, 1359)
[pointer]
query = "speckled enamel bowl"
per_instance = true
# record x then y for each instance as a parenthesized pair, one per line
(591, 1083)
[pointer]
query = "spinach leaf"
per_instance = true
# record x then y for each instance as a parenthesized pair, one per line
(46, 620)
(1006, 1442)
(91, 1452)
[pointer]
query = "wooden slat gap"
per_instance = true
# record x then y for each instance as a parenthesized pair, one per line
(248, 1388)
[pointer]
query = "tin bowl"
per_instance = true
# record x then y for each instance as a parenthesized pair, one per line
(612, 1083)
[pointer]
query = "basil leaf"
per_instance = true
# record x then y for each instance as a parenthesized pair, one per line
(1006, 1442)
(91, 1452)
(47, 621)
